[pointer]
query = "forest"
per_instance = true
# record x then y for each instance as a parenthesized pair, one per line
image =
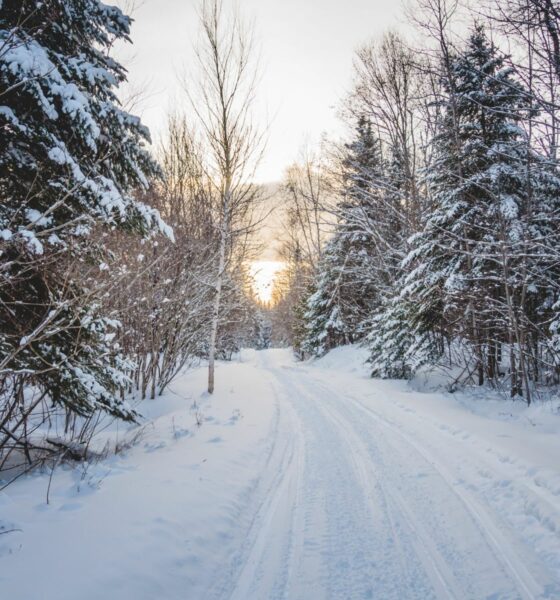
(339, 384)
(442, 244)
(430, 235)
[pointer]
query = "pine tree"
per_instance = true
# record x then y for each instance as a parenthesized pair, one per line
(70, 158)
(470, 277)
(346, 288)
(324, 325)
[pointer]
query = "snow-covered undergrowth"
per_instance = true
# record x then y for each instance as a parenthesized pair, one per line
(542, 416)
(153, 521)
(303, 480)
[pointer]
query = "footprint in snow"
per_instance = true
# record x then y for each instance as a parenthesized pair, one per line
(234, 418)
(179, 433)
(215, 440)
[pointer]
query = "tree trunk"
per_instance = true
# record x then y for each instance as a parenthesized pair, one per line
(216, 311)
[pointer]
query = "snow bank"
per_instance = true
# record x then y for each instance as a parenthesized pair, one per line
(350, 359)
(154, 522)
(543, 416)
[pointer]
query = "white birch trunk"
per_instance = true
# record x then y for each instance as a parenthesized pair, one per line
(224, 235)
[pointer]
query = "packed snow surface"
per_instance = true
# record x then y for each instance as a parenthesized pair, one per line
(303, 481)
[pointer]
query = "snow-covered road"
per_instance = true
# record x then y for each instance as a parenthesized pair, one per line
(362, 501)
(321, 484)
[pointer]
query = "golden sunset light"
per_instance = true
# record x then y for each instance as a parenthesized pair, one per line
(263, 274)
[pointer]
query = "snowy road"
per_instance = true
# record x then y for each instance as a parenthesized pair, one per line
(306, 482)
(354, 506)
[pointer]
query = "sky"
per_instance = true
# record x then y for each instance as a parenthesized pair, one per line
(306, 51)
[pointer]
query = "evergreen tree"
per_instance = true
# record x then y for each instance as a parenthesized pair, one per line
(324, 325)
(399, 342)
(346, 288)
(470, 273)
(70, 158)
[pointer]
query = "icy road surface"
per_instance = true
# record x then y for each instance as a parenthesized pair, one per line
(306, 482)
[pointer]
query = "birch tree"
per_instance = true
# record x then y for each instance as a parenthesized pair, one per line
(223, 103)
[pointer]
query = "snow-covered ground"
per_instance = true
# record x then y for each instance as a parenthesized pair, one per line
(304, 481)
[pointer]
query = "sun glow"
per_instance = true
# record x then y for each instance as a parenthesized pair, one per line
(263, 275)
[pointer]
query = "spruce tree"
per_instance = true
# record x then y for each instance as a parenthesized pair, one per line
(324, 325)
(471, 275)
(70, 158)
(338, 309)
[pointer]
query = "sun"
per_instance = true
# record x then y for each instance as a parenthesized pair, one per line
(263, 274)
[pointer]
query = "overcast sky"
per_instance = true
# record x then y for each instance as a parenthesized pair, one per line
(307, 48)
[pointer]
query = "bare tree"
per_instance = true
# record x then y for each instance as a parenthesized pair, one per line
(390, 92)
(306, 192)
(531, 30)
(223, 102)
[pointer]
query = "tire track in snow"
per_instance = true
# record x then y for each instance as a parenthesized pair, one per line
(441, 576)
(506, 483)
(349, 506)
(255, 571)
(527, 585)
(365, 559)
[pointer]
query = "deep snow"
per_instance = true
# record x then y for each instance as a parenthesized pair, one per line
(304, 481)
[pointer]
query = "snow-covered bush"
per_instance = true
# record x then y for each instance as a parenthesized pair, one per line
(70, 158)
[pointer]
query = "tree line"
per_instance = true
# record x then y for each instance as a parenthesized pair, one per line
(432, 235)
(120, 264)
